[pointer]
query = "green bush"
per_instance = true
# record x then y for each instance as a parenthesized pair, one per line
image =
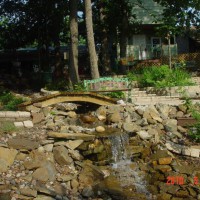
(117, 95)
(9, 102)
(153, 76)
(161, 77)
(79, 87)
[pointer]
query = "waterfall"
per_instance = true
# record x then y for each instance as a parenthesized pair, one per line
(121, 165)
(119, 147)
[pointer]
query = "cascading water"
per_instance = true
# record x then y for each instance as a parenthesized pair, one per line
(119, 144)
(121, 165)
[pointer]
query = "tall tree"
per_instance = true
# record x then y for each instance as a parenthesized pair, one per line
(90, 39)
(74, 41)
(105, 57)
(180, 15)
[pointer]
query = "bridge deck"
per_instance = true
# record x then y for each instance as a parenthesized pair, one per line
(89, 97)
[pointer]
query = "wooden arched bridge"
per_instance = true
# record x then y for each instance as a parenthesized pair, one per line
(60, 97)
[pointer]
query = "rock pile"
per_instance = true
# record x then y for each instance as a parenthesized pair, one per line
(56, 158)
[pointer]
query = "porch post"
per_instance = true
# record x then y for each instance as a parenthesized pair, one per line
(169, 51)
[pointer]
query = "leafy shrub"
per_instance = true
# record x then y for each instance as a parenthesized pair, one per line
(79, 87)
(161, 77)
(117, 95)
(9, 102)
(153, 76)
(132, 76)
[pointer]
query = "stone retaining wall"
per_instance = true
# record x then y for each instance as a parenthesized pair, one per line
(14, 116)
(178, 91)
(20, 119)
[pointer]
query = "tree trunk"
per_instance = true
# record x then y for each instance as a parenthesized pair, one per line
(90, 40)
(123, 37)
(73, 69)
(105, 45)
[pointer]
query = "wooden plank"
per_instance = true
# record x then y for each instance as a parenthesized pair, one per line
(186, 121)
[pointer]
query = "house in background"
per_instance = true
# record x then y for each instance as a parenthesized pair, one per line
(147, 44)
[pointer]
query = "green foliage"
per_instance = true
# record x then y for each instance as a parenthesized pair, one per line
(194, 131)
(161, 77)
(7, 127)
(9, 102)
(154, 76)
(62, 85)
(117, 95)
(79, 87)
(132, 76)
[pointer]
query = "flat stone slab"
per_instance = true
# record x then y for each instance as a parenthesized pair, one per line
(28, 124)
(21, 143)
(18, 124)
(71, 136)
(14, 114)
(2, 114)
(24, 114)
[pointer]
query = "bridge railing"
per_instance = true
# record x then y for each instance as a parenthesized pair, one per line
(107, 84)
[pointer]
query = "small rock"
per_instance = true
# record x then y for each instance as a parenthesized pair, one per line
(174, 147)
(144, 135)
(38, 117)
(40, 174)
(48, 147)
(75, 154)
(101, 117)
(163, 168)
(170, 125)
(72, 114)
(195, 151)
(19, 124)
(131, 127)
(182, 108)
(179, 114)
(100, 129)
(114, 117)
(89, 119)
(41, 149)
(88, 192)
(28, 124)
(165, 161)
(73, 144)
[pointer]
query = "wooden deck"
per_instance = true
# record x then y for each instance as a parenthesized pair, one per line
(89, 97)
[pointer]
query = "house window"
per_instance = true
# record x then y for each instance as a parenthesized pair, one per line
(155, 41)
(156, 47)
